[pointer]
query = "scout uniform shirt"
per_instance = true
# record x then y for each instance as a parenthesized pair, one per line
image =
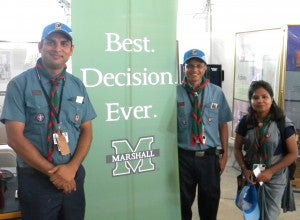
(215, 111)
(25, 102)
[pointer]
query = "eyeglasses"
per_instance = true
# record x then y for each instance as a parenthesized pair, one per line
(198, 66)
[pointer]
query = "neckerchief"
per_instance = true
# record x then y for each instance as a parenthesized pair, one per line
(197, 126)
(261, 135)
(54, 104)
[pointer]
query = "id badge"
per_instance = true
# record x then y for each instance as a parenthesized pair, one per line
(257, 169)
(203, 135)
(260, 166)
(61, 139)
(203, 139)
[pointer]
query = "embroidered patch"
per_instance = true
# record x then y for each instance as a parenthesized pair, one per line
(77, 118)
(40, 117)
(36, 92)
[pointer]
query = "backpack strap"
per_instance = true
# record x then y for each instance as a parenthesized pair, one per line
(292, 166)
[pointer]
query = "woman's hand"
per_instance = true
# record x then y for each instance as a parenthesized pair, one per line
(249, 175)
(265, 176)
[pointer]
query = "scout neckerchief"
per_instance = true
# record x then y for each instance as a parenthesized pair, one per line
(261, 135)
(54, 102)
(197, 126)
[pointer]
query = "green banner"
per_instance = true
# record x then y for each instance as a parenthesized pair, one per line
(125, 53)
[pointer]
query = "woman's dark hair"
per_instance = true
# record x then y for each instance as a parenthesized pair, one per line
(276, 112)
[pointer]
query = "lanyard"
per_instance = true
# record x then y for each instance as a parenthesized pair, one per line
(48, 98)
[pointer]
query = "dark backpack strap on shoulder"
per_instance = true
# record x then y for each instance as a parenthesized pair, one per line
(292, 166)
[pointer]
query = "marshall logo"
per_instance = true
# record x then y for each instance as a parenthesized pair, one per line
(130, 159)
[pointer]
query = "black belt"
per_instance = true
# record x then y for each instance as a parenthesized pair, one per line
(209, 151)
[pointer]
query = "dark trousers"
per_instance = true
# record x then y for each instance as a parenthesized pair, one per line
(203, 172)
(40, 200)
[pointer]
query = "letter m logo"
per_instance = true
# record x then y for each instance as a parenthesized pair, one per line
(128, 158)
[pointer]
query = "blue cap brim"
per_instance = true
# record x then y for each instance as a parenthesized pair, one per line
(195, 57)
(67, 35)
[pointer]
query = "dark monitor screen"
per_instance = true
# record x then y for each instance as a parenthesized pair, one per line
(215, 74)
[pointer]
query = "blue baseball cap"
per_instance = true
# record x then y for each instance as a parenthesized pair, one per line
(194, 53)
(247, 201)
(57, 27)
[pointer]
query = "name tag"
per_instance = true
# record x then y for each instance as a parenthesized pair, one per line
(214, 105)
(79, 99)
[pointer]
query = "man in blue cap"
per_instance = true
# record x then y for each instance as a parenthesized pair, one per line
(202, 116)
(48, 118)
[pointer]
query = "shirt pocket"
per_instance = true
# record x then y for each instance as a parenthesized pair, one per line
(211, 111)
(37, 115)
(74, 113)
(182, 116)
